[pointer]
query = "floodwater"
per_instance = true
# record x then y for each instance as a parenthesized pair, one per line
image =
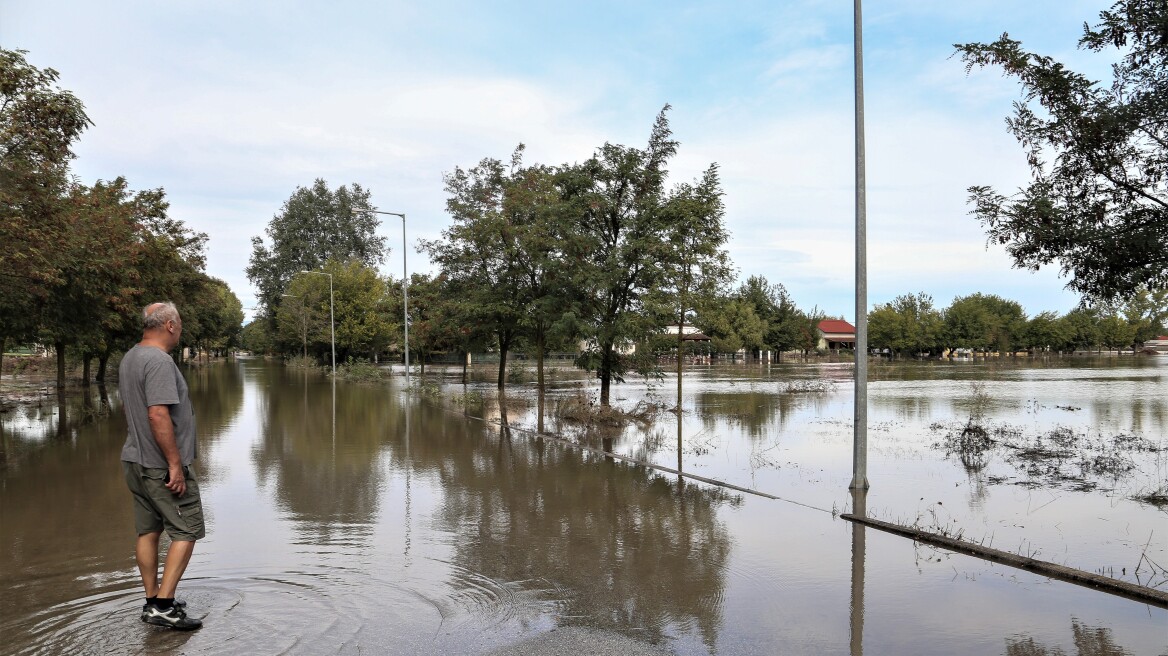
(347, 519)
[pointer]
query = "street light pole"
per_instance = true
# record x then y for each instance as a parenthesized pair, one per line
(860, 417)
(405, 283)
(332, 322)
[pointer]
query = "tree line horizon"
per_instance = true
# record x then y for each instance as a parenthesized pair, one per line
(603, 252)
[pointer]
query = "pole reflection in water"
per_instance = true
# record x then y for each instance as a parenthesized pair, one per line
(408, 522)
(860, 509)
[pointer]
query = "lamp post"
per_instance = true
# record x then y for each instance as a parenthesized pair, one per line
(860, 423)
(332, 323)
(405, 282)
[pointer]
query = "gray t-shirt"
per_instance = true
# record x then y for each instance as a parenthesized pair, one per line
(146, 377)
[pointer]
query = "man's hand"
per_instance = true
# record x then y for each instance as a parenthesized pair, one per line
(163, 430)
(177, 482)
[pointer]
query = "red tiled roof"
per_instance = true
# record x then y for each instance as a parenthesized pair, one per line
(836, 326)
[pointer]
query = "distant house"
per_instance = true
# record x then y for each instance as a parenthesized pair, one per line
(688, 333)
(836, 334)
(1158, 346)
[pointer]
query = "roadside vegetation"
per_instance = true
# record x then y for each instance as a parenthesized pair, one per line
(1073, 458)
(80, 261)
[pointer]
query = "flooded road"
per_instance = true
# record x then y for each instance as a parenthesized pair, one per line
(354, 519)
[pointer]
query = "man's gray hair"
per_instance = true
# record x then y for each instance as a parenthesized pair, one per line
(156, 315)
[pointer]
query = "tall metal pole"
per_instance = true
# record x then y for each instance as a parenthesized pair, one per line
(405, 282)
(406, 300)
(860, 423)
(332, 327)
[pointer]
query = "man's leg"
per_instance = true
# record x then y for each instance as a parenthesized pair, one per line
(177, 558)
(146, 552)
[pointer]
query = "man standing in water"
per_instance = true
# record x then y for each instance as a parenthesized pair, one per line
(160, 447)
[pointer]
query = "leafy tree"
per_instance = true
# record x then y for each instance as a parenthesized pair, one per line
(315, 225)
(299, 315)
(542, 237)
(1081, 327)
(809, 329)
(1115, 332)
(732, 325)
(1046, 331)
(477, 254)
(256, 338)
(363, 325)
(909, 324)
(1097, 203)
(984, 322)
(1147, 312)
(784, 323)
(625, 224)
(695, 265)
(213, 318)
(39, 122)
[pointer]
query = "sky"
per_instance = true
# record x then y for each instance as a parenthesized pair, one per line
(230, 106)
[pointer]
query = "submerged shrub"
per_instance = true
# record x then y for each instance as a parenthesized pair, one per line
(301, 362)
(817, 386)
(361, 371)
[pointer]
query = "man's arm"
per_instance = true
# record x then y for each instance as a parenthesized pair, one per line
(163, 429)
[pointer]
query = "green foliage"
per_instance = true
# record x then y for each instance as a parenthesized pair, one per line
(732, 325)
(479, 255)
(1147, 313)
(363, 323)
(79, 262)
(984, 322)
(39, 122)
(1098, 153)
(907, 326)
(1046, 331)
(257, 338)
(626, 223)
(213, 318)
(360, 370)
(315, 225)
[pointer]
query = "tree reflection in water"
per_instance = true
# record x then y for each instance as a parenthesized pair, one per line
(627, 549)
(1089, 641)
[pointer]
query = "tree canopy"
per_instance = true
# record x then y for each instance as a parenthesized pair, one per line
(315, 225)
(79, 261)
(1097, 203)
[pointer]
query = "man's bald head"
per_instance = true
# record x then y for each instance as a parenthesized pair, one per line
(156, 315)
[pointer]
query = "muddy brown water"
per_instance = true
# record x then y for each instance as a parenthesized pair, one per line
(347, 519)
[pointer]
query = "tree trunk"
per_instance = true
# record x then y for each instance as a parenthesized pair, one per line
(102, 363)
(539, 347)
(680, 344)
(86, 358)
(465, 357)
(3, 344)
(503, 346)
(62, 409)
(60, 346)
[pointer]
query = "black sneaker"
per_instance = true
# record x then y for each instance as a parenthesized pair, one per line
(173, 618)
(180, 604)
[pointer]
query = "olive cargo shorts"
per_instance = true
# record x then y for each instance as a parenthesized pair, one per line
(156, 507)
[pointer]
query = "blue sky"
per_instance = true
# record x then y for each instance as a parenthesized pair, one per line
(229, 106)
